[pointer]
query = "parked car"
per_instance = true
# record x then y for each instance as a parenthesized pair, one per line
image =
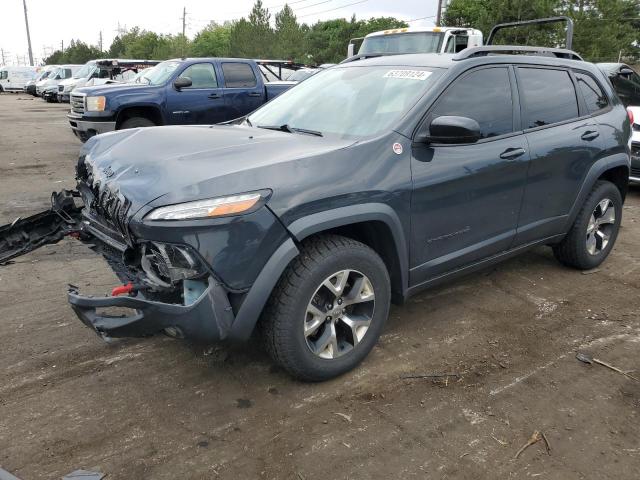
(47, 88)
(175, 92)
(100, 72)
(30, 86)
(362, 185)
(13, 79)
(626, 83)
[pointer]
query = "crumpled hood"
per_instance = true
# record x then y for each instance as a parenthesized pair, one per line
(181, 163)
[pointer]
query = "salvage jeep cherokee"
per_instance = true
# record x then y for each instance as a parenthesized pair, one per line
(364, 184)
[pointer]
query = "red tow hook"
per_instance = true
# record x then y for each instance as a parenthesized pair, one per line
(121, 290)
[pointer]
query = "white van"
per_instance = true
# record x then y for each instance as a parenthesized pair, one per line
(50, 83)
(13, 79)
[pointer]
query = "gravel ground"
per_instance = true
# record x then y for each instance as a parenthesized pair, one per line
(162, 409)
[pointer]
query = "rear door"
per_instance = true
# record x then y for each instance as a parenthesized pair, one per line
(564, 141)
(243, 92)
(466, 198)
(200, 104)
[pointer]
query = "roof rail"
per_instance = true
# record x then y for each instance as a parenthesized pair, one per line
(516, 50)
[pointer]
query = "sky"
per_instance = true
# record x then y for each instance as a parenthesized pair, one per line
(53, 22)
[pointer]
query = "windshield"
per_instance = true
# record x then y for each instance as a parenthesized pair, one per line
(86, 71)
(301, 74)
(418, 42)
(352, 102)
(159, 74)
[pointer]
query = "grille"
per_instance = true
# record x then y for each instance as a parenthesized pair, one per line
(635, 150)
(60, 88)
(77, 104)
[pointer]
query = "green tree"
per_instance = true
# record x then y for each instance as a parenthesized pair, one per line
(78, 52)
(253, 37)
(289, 36)
(604, 29)
(212, 41)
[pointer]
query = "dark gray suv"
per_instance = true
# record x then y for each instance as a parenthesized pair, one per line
(363, 185)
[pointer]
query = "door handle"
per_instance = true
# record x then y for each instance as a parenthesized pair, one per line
(511, 153)
(213, 96)
(254, 94)
(590, 135)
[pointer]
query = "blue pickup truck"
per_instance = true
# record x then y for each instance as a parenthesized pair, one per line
(177, 92)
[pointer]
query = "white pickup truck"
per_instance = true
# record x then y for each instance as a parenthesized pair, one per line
(416, 40)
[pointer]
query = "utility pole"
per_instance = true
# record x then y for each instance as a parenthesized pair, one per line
(184, 26)
(100, 41)
(26, 22)
(2, 53)
(439, 13)
(62, 46)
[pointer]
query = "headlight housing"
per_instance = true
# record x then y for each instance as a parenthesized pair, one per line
(210, 208)
(68, 88)
(96, 104)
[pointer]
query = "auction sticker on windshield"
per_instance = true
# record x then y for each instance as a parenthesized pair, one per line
(408, 74)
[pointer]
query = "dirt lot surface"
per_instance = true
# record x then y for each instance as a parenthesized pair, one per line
(161, 409)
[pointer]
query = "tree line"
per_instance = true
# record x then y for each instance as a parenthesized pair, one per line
(255, 36)
(605, 30)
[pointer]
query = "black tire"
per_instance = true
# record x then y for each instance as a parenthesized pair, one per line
(283, 321)
(136, 122)
(572, 250)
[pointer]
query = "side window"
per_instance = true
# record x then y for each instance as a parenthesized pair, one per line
(202, 75)
(483, 95)
(67, 73)
(593, 95)
(548, 95)
(238, 75)
(456, 43)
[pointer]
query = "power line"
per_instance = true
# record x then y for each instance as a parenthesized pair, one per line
(313, 5)
(332, 9)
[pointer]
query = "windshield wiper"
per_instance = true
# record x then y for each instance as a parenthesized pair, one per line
(288, 129)
(281, 128)
(308, 132)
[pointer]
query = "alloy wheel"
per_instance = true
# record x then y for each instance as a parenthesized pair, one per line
(600, 227)
(339, 314)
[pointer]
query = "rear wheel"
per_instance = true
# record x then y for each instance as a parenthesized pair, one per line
(136, 122)
(328, 309)
(595, 229)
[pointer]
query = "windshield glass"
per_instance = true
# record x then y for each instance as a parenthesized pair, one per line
(301, 74)
(418, 42)
(352, 102)
(86, 71)
(159, 74)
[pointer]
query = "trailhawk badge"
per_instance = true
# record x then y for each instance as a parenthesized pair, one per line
(397, 148)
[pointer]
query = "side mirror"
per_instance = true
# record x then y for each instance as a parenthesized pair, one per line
(450, 130)
(351, 50)
(182, 82)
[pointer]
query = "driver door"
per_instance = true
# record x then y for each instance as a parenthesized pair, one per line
(200, 104)
(467, 197)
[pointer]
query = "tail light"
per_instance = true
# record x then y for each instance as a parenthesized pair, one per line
(630, 115)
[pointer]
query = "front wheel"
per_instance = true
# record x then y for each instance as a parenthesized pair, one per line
(136, 122)
(328, 309)
(595, 229)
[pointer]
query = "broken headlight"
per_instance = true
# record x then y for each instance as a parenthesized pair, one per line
(167, 264)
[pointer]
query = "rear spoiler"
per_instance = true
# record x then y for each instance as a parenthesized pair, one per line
(538, 21)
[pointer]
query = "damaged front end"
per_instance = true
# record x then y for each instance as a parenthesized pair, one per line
(166, 287)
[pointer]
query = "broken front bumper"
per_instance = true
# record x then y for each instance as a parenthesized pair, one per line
(207, 319)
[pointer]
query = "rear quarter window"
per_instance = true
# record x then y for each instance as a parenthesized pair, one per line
(594, 97)
(548, 95)
(238, 75)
